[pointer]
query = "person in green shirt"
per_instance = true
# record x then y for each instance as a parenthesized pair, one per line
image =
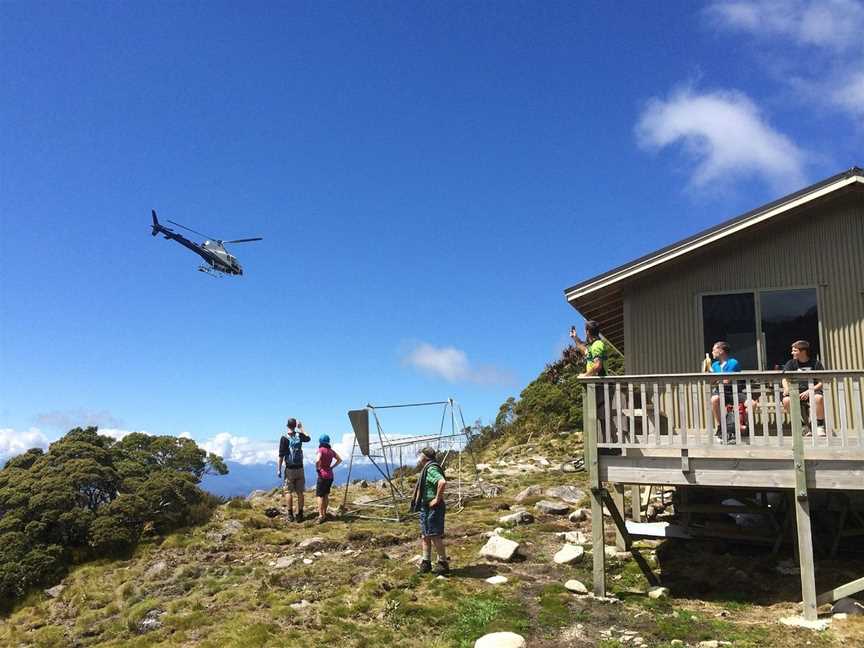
(428, 501)
(593, 348)
(594, 351)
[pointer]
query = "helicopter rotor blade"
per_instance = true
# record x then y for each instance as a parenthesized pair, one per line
(258, 238)
(193, 231)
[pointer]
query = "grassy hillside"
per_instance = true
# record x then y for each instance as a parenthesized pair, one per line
(241, 580)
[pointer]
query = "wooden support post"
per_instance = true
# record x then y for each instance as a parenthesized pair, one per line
(802, 508)
(618, 498)
(621, 528)
(636, 502)
(591, 459)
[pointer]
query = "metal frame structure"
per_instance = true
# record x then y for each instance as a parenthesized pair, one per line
(388, 456)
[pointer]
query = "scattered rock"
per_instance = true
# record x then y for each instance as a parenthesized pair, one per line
(501, 506)
(848, 606)
(155, 570)
(272, 512)
(676, 642)
(575, 586)
(574, 537)
(363, 483)
(569, 554)
(499, 548)
(532, 491)
(312, 544)
(308, 561)
(283, 562)
(256, 493)
(787, 568)
(490, 490)
(55, 591)
(230, 528)
(712, 643)
(500, 640)
(569, 494)
(552, 508)
(519, 517)
(151, 621)
(482, 466)
(496, 580)
(579, 515)
(302, 605)
(658, 593)
(611, 552)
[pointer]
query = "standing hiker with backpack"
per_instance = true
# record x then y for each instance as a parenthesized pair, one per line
(428, 500)
(291, 454)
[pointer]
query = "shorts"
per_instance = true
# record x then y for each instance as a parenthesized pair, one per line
(295, 480)
(322, 487)
(432, 520)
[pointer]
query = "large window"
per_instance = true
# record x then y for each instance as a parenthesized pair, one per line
(760, 327)
(788, 315)
(732, 318)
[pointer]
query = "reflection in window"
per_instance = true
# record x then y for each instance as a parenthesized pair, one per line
(731, 318)
(788, 315)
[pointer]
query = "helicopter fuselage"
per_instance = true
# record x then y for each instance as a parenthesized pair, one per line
(213, 252)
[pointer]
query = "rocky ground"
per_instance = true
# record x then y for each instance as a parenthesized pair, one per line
(520, 561)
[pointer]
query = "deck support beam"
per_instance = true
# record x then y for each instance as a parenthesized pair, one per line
(841, 592)
(618, 492)
(802, 508)
(598, 547)
(618, 519)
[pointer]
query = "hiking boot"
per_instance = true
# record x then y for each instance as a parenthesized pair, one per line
(321, 520)
(300, 516)
(425, 567)
(290, 516)
(442, 567)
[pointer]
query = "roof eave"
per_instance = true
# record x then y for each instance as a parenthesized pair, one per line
(707, 237)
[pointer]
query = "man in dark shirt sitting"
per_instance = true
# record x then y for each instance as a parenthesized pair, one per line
(801, 361)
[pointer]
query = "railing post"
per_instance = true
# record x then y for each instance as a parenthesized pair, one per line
(802, 506)
(589, 416)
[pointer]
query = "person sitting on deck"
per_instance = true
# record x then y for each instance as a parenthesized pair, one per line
(723, 363)
(801, 361)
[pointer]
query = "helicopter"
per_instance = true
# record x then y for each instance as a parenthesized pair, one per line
(212, 250)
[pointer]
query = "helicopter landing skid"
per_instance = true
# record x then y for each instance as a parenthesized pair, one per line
(209, 271)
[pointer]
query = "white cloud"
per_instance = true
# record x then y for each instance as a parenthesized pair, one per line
(848, 94)
(829, 24)
(724, 134)
(241, 449)
(14, 442)
(452, 365)
(816, 46)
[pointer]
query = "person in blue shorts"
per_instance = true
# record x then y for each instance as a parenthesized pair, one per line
(428, 501)
(723, 363)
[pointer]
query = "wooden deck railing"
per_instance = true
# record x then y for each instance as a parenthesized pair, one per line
(680, 411)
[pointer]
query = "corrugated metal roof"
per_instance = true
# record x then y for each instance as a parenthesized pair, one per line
(600, 298)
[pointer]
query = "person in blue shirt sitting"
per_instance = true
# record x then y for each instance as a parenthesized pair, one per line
(723, 363)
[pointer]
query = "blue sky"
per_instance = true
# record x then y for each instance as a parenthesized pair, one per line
(427, 177)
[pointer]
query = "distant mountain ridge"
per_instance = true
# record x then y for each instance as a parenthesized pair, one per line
(242, 479)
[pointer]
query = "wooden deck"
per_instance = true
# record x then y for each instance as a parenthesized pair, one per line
(662, 430)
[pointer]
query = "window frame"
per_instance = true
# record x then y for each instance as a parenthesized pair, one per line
(757, 313)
